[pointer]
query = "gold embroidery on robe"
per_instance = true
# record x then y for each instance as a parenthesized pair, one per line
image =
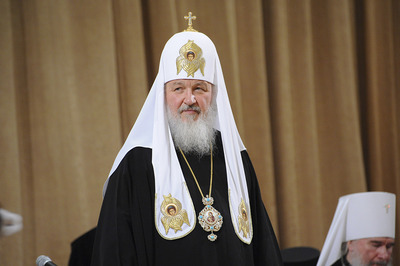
(174, 215)
(243, 218)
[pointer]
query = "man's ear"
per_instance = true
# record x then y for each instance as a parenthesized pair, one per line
(350, 245)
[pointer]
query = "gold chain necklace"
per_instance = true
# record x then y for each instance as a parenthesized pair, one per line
(209, 218)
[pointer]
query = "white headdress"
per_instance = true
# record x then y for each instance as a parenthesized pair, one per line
(357, 216)
(151, 130)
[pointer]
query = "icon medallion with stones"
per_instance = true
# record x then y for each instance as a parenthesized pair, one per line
(210, 219)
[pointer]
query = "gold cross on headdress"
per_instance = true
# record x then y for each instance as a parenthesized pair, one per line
(190, 23)
(387, 206)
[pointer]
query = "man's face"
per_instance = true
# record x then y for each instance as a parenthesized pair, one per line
(172, 212)
(188, 98)
(370, 251)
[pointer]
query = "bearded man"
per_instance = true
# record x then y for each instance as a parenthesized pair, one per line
(368, 252)
(362, 231)
(184, 153)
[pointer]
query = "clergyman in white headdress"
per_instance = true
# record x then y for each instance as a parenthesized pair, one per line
(182, 190)
(362, 231)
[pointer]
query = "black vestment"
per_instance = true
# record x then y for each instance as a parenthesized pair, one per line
(126, 232)
(341, 262)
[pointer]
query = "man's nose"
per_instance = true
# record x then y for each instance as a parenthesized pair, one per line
(189, 97)
(384, 253)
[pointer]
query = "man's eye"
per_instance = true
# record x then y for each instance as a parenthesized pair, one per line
(377, 245)
(389, 246)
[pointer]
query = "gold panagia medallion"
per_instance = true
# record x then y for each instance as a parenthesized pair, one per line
(174, 215)
(243, 219)
(190, 59)
(210, 219)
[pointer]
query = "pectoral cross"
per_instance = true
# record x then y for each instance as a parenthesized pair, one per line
(190, 19)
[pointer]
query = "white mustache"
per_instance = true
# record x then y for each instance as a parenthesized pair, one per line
(186, 107)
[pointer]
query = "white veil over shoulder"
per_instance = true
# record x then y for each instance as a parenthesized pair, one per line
(151, 130)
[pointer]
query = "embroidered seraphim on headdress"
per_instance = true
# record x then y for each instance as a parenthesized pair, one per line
(190, 59)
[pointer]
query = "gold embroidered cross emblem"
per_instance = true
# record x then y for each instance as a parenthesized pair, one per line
(387, 206)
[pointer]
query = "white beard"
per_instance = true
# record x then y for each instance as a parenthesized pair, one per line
(193, 136)
(358, 261)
